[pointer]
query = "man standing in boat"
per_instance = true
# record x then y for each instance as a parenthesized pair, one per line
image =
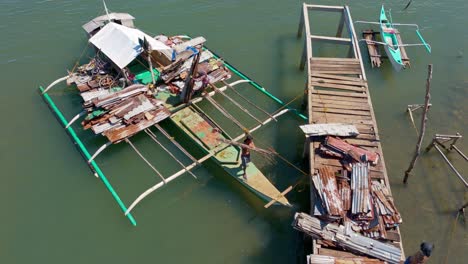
(245, 156)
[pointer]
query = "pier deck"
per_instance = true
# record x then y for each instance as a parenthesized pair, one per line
(337, 92)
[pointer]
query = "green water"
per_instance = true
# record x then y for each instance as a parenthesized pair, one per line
(55, 211)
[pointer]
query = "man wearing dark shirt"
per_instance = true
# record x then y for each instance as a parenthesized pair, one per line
(245, 156)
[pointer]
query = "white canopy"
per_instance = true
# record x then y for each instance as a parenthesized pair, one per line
(121, 45)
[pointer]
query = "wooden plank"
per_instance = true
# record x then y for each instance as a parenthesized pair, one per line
(372, 137)
(404, 55)
(327, 59)
(340, 94)
(325, 161)
(341, 111)
(343, 115)
(338, 77)
(335, 66)
(372, 48)
(338, 86)
(327, 80)
(329, 119)
(340, 106)
(337, 71)
(324, 8)
(362, 142)
(336, 253)
(331, 39)
(338, 99)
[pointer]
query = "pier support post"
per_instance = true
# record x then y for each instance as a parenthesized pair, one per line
(304, 55)
(301, 25)
(423, 124)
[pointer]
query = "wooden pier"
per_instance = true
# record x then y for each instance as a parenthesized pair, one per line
(337, 92)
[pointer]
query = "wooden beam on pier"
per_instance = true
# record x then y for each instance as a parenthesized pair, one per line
(335, 40)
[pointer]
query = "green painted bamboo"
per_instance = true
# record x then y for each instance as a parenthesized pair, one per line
(85, 152)
(428, 48)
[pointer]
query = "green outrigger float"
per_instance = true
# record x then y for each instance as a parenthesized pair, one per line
(123, 95)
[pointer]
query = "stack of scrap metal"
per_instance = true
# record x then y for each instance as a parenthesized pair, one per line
(385, 205)
(124, 112)
(348, 195)
(121, 97)
(346, 238)
(339, 148)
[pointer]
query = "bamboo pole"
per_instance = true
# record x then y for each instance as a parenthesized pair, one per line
(260, 150)
(174, 142)
(235, 103)
(145, 160)
(450, 165)
(153, 137)
(423, 124)
(225, 113)
(246, 99)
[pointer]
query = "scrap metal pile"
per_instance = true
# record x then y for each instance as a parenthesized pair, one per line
(350, 195)
(119, 101)
(344, 236)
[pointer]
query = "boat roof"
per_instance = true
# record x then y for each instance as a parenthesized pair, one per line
(100, 21)
(121, 44)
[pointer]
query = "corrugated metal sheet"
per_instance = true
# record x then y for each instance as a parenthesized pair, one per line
(345, 237)
(361, 203)
(326, 186)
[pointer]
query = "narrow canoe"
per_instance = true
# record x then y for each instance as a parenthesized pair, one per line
(207, 136)
(389, 37)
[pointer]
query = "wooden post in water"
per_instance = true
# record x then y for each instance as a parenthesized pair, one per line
(423, 124)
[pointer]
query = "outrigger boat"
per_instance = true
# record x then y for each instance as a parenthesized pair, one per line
(390, 40)
(124, 94)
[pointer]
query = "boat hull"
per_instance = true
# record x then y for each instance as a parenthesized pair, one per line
(388, 34)
(206, 135)
(393, 59)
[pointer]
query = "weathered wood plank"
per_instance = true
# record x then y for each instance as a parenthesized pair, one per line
(331, 39)
(362, 142)
(343, 115)
(327, 59)
(330, 119)
(336, 71)
(328, 80)
(340, 106)
(341, 111)
(338, 86)
(340, 94)
(336, 162)
(338, 77)
(330, 67)
(338, 99)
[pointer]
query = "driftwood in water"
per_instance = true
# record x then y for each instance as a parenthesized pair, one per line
(423, 124)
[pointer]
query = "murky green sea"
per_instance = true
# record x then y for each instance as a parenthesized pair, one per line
(53, 210)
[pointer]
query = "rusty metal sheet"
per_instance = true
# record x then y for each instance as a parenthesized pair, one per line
(116, 135)
(355, 152)
(329, 191)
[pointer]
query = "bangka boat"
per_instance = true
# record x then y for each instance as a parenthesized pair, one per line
(390, 39)
(392, 47)
(136, 81)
